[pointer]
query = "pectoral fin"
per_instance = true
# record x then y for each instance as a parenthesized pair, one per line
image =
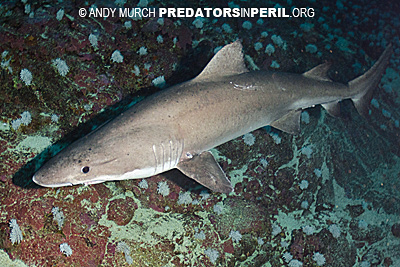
(205, 170)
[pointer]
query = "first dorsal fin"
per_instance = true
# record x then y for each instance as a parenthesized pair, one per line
(319, 72)
(227, 61)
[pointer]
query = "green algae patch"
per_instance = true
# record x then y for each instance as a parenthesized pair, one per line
(34, 143)
(147, 226)
(6, 261)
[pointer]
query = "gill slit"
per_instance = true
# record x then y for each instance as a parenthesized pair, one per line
(170, 154)
(155, 159)
(179, 153)
(163, 157)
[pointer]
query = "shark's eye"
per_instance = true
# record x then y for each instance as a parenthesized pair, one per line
(85, 169)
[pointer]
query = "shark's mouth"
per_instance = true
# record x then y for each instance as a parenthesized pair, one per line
(89, 182)
(50, 185)
(93, 182)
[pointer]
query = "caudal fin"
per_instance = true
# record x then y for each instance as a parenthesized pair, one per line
(365, 84)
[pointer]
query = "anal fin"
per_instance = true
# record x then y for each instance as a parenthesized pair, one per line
(204, 169)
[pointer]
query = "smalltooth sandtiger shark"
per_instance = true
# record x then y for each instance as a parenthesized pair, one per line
(177, 127)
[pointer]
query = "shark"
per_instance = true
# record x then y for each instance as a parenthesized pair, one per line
(176, 127)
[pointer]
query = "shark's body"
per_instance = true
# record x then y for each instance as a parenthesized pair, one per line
(176, 127)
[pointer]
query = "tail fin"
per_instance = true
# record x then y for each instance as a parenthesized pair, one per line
(365, 84)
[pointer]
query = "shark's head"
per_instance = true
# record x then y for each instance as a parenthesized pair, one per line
(111, 154)
(90, 161)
